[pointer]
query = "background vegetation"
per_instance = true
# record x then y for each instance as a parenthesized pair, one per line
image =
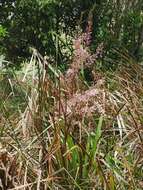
(71, 94)
(43, 23)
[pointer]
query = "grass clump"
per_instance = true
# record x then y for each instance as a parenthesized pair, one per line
(68, 132)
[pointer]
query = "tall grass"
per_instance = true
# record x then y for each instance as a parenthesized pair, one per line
(81, 129)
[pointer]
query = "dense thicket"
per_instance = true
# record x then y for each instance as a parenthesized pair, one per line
(75, 126)
(48, 25)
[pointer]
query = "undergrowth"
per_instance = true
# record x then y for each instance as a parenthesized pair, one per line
(81, 129)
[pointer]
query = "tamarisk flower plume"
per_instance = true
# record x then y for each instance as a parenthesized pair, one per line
(82, 101)
(82, 57)
(87, 103)
(81, 52)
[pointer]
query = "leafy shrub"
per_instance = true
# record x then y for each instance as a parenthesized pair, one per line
(49, 27)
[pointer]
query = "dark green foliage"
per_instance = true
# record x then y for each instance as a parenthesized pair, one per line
(41, 23)
(34, 23)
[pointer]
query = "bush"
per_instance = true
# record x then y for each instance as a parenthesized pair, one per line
(50, 25)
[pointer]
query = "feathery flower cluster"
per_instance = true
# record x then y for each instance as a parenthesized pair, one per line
(87, 103)
(82, 56)
(81, 53)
